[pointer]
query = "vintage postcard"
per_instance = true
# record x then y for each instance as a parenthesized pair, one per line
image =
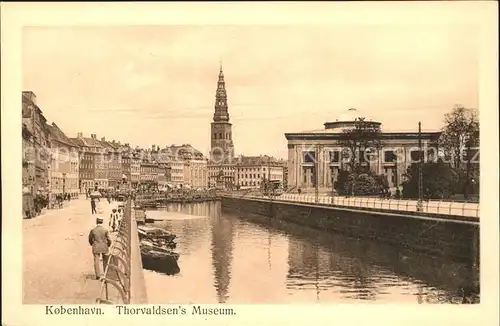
(294, 162)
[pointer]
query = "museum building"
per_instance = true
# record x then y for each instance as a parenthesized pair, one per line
(397, 150)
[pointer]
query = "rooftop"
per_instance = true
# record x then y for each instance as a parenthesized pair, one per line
(59, 135)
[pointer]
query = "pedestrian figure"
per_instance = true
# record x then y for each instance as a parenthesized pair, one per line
(113, 221)
(120, 217)
(100, 242)
(92, 205)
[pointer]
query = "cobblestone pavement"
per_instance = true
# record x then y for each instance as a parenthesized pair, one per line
(57, 258)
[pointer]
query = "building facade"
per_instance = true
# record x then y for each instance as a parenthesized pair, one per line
(185, 166)
(149, 173)
(316, 157)
(194, 169)
(135, 170)
(221, 176)
(28, 161)
(35, 123)
(113, 161)
(196, 173)
(86, 168)
(93, 165)
(252, 172)
(126, 159)
(64, 167)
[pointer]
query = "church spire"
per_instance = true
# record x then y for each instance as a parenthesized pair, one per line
(221, 110)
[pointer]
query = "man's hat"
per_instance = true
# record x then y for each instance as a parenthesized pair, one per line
(99, 220)
(114, 210)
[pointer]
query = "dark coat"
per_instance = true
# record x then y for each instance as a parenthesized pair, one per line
(99, 240)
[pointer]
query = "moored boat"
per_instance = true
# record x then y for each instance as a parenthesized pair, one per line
(154, 232)
(158, 258)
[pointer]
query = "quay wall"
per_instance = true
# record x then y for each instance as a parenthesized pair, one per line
(138, 293)
(442, 235)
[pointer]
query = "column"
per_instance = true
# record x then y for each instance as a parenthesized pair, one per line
(298, 167)
(292, 164)
(321, 166)
(326, 168)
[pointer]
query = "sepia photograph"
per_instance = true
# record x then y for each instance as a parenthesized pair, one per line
(229, 164)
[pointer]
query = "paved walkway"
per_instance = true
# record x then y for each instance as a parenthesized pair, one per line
(57, 258)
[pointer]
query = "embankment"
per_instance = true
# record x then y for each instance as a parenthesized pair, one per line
(442, 235)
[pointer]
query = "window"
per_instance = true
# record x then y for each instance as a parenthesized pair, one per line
(414, 155)
(389, 156)
(334, 157)
(309, 157)
(362, 156)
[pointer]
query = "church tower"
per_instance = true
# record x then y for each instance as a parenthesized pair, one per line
(222, 148)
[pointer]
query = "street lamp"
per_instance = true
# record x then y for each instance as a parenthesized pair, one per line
(64, 184)
(420, 177)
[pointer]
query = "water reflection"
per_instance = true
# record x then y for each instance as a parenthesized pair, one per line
(369, 270)
(222, 253)
(229, 259)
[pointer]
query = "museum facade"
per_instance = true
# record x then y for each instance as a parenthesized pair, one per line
(316, 157)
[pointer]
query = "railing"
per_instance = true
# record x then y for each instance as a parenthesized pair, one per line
(429, 206)
(118, 267)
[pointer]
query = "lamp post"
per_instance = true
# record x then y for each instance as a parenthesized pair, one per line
(49, 185)
(268, 185)
(316, 174)
(420, 177)
(64, 184)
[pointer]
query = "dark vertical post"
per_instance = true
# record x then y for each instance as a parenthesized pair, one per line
(316, 173)
(268, 187)
(420, 163)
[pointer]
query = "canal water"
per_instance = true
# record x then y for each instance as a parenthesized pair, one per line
(226, 258)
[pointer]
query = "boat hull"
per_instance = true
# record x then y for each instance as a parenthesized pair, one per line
(162, 263)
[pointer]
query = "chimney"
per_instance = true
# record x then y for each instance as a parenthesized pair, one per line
(79, 135)
(93, 136)
(103, 139)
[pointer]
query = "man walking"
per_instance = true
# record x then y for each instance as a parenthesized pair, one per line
(113, 221)
(92, 205)
(100, 242)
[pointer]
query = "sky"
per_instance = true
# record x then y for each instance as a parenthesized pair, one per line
(155, 85)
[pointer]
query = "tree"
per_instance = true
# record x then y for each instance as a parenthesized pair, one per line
(363, 137)
(459, 141)
(363, 184)
(438, 180)
(460, 133)
(342, 185)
